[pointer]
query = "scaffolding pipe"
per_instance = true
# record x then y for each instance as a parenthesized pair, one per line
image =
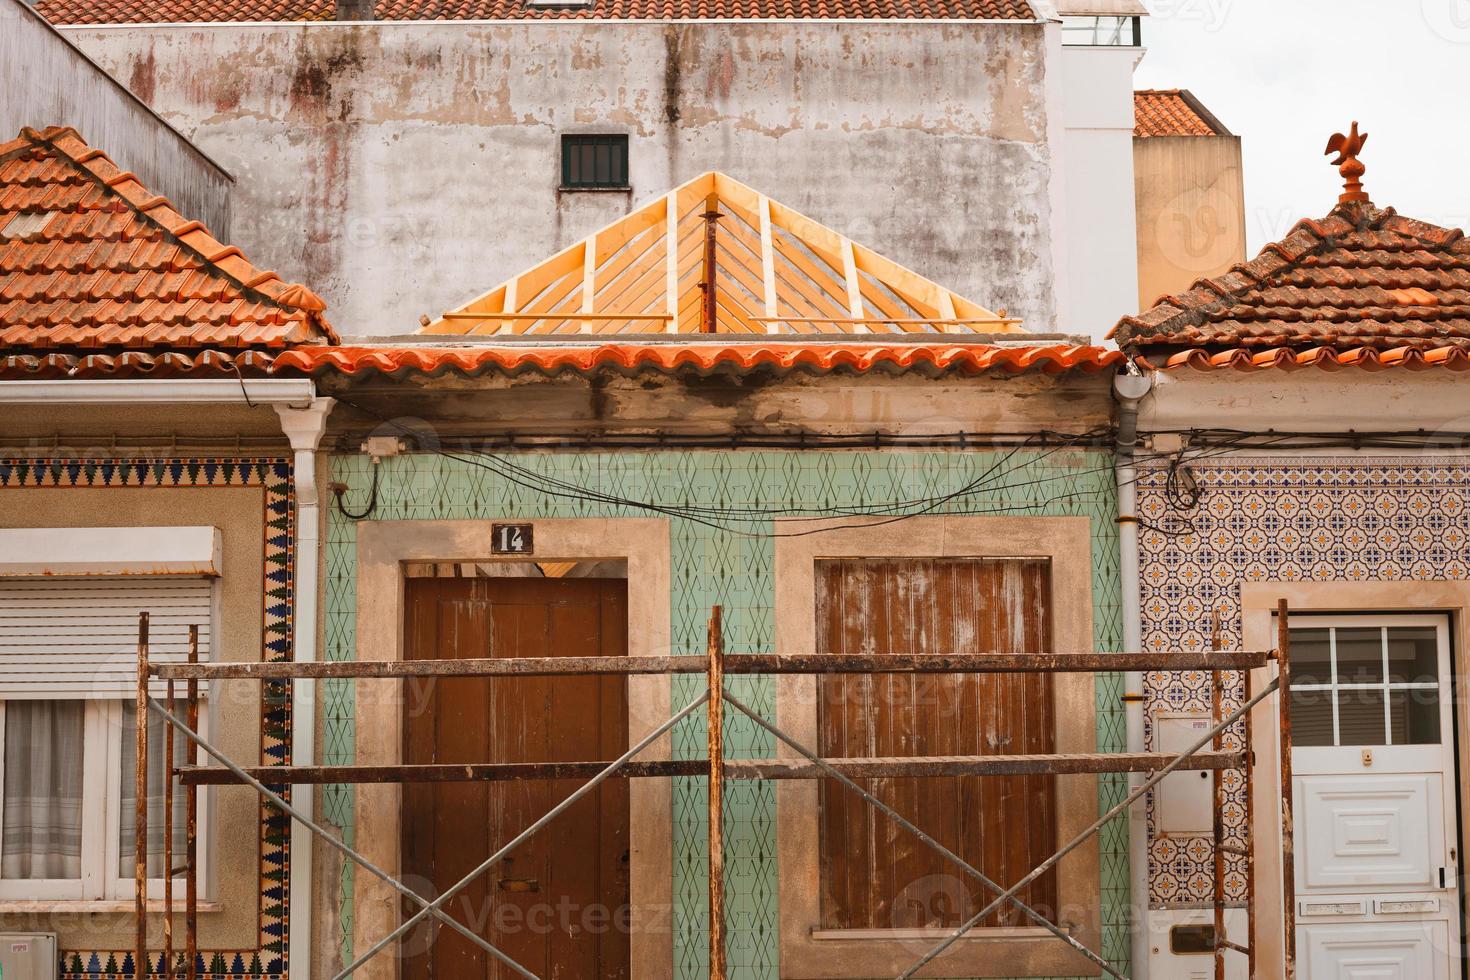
(750, 663)
(1217, 793)
(191, 827)
(716, 755)
(1250, 835)
(140, 805)
(1075, 842)
(858, 767)
(168, 844)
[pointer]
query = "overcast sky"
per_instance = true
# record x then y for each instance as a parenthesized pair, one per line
(1284, 75)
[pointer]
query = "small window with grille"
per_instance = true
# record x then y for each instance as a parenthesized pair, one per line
(594, 161)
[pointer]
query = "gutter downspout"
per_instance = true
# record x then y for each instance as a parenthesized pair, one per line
(1129, 390)
(304, 427)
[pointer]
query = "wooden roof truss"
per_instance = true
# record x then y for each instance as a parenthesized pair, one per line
(773, 270)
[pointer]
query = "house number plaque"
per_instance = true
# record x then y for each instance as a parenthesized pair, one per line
(513, 539)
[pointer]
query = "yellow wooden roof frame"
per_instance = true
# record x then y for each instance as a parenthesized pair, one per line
(776, 272)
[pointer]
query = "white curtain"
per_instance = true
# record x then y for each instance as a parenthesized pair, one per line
(128, 814)
(43, 789)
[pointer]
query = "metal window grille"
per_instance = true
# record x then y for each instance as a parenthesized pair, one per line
(594, 161)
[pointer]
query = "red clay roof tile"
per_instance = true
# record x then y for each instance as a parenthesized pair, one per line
(1362, 277)
(115, 266)
(855, 357)
(1172, 112)
(1451, 357)
(174, 11)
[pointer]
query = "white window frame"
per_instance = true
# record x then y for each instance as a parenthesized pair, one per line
(102, 816)
(189, 551)
(1382, 622)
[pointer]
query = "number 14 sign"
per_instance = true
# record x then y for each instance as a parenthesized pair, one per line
(513, 539)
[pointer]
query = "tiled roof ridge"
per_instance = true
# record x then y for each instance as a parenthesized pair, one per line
(227, 261)
(1308, 239)
(448, 11)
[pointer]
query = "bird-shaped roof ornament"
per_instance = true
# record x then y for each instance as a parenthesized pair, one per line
(1347, 163)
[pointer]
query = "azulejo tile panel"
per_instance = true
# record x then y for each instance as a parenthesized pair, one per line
(730, 563)
(273, 476)
(1324, 519)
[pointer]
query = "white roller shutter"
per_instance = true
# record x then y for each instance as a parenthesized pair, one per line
(78, 637)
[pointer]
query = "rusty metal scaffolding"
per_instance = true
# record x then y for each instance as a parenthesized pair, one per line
(1207, 753)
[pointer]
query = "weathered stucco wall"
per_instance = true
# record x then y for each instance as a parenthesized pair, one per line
(1191, 211)
(401, 168)
(48, 82)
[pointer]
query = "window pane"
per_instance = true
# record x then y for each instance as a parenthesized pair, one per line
(43, 789)
(1413, 654)
(127, 814)
(1359, 655)
(1414, 716)
(1311, 656)
(1360, 718)
(1311, 715)
(604, 163)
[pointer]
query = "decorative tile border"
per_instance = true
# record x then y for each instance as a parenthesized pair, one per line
(1323, 519)
(712, 566)
(273, 475)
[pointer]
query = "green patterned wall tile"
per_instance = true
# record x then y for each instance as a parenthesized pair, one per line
(734, 569)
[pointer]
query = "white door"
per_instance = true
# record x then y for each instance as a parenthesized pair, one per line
(1374, 770)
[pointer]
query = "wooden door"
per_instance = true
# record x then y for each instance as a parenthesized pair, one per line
(558, 904)
(876, 875)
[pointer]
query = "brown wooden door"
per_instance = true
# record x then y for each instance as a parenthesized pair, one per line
(558, 904)
(875, 875)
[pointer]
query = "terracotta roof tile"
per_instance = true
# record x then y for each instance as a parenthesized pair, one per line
(90, 258)
(166, 11)
(1172, 112)
(1362, 277)
(931, 359)
(1452, 357)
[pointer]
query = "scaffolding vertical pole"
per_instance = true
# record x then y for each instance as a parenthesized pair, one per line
(716, 737)
(1217, 785)
(140, 809)
(168, 841)
(1288, 827)
(191, 826)
(1250, 833)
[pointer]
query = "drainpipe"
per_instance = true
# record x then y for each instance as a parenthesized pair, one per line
(1129, 390)
(304, 427)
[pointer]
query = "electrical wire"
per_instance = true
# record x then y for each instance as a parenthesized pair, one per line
(1185, 495)
(339, 489)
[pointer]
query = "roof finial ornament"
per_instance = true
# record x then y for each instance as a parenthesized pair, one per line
(1347, 163)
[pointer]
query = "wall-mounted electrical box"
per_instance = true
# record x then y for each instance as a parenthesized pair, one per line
(1184, 801)
(28, 955)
